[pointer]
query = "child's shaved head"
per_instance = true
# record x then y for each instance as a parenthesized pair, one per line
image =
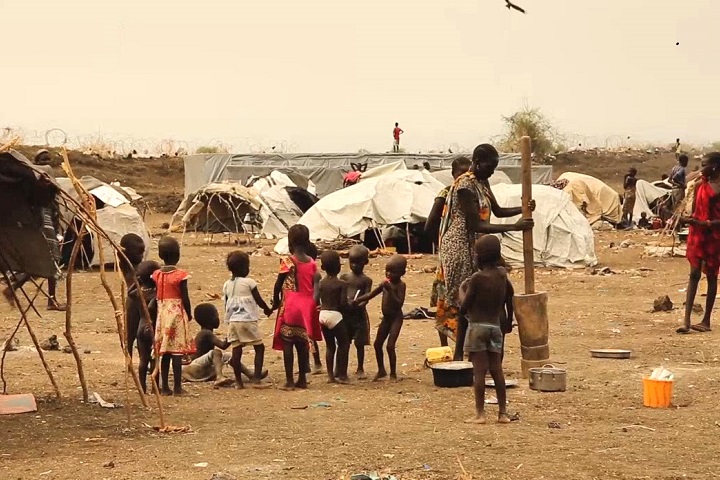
(487, 250)
(330, 261)
(358, 252)
(397, 264)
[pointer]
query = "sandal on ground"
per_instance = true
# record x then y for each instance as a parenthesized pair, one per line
(699, 327)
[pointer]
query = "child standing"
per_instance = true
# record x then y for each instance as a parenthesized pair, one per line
(483, 300)
(629, 184)
(332, 298)
(313, 253)
(242, 304)
(144, 331)
(134, 250)
(172, 338)
(297, 322)
(356, 317)
(393, 290)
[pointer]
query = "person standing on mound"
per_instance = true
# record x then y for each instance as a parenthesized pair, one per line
(397, 131)
(703, 244)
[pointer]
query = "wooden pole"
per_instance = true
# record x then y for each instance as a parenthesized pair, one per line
(528, 249)
(68, 312)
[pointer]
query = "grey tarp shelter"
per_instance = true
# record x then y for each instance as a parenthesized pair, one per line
(325, 170)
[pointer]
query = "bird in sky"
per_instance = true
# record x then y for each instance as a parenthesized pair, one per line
(512, 6)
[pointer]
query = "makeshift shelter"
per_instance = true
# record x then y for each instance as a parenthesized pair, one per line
(562, 236)
(325, 170)
(23, 192)
(218, 208)
(647, 198)
(116, 215)
(399, 197)
(271, 205)
(597, 200)
(446, 178)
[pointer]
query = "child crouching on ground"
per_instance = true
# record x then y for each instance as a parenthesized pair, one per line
(242, 312)
(483, 299)
(209, 359)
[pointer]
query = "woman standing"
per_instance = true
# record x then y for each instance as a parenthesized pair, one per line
(469, 204)
(703, 244)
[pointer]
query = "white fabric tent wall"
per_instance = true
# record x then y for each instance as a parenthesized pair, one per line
(402, 196)
(445, 177)
(646, 193)
(562, 236)
(118, 217)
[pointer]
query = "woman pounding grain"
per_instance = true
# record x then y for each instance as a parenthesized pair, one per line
(469, 203)
(703, 244)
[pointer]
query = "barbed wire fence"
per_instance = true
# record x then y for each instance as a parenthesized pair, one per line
(107, 145)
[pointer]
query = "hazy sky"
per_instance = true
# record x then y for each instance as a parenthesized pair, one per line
(334, 75)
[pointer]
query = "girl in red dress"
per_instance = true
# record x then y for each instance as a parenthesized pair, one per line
(297, 323)
(703, 244)
(172, 336)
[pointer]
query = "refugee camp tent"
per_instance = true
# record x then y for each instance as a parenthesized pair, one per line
(271, 206)
(597, 200)
(116, 215)
(325, 170)
(23, 191)
(218, 208)
(646, 197)
(562, 236)
(446, 178)
(402, 196)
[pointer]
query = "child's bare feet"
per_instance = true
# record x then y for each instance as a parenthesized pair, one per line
(179, 392)
(239, 385)
(380, 375)
(503, 418)
(343, 380)
(317, 370)
(361, 375)
(478, 419)
(395, 378)
(288, 387)
(166, 391)
(223, 382)
(332, 380)
(301, 384)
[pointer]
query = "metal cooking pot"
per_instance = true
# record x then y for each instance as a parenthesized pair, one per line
(548, 379)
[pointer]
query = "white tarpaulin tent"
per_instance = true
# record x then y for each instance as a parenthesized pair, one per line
(562, 236)
(117, 216)
(645, 194)
(596, 199)
(445, 177)
(401, 196)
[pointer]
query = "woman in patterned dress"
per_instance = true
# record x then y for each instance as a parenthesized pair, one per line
(460, 166)
(172, 336)
(703, 244)
(468, 207)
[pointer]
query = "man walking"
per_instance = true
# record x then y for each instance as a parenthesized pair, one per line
(397, 131)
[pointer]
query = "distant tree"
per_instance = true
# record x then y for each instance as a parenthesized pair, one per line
(533, 123)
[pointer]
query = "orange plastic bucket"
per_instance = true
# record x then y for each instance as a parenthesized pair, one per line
(657, 393)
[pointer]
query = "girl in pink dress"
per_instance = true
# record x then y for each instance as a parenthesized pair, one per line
(172, 336)
(297, 323)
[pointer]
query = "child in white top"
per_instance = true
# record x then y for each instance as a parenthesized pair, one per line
(242, 312)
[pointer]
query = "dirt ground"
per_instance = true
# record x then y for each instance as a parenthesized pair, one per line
(410, 429)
